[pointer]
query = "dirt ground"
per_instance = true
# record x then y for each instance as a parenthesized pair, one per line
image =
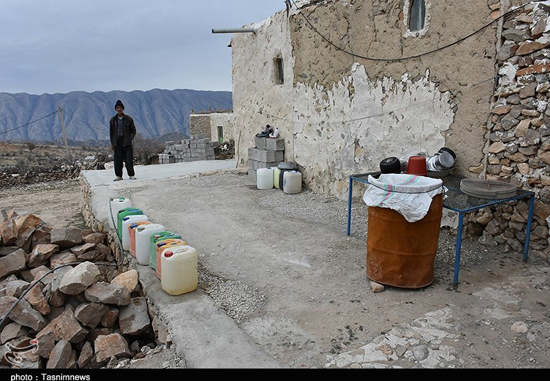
(497, 318)
(41, 154)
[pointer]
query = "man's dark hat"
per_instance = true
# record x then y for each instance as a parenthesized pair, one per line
(119, 103)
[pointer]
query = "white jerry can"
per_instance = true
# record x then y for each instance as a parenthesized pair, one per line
(114, 206)
(179, 270)
(143, 241)
(126, 222)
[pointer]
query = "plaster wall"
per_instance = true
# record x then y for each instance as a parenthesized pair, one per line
(257, 100)
(340, 111)
(224, 120)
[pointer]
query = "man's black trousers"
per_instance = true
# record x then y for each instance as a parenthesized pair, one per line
(124, 154)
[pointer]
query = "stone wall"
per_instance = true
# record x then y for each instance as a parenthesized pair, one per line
(518, 144)
(199, 124)
(66, 301)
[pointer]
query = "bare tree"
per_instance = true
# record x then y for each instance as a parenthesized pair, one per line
(146, 150)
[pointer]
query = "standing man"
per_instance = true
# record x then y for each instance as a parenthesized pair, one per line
(122, 131)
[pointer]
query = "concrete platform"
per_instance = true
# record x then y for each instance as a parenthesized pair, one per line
(290, 288)
(203, 334)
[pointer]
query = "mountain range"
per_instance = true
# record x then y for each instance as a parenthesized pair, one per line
(38, 118)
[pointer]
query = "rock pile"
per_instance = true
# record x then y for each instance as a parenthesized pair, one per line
(64, 301)
(519, 130)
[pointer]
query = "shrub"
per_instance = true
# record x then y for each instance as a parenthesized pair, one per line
(146, 150)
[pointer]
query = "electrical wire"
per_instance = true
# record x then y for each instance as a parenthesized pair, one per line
(33, 121)
(416, 55)
(397, 59)
(358, 119)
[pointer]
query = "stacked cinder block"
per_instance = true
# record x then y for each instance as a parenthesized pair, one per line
(193, 149)
(166, 158)
(267, 153)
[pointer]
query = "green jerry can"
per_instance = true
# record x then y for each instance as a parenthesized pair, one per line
(123, 213)
(156, 238)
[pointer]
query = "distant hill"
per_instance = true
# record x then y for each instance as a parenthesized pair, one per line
(27, 117)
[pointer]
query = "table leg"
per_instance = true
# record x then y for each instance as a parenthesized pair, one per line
(528, 229)
(458, 248)
(350, 195)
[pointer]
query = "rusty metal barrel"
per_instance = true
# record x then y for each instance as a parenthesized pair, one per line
(401, 253)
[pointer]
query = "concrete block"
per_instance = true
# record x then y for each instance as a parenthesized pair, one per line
(275, 144)
(265, 155)
(254, 164)
(260, 142)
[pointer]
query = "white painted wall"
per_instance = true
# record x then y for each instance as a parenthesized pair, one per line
(226, 120)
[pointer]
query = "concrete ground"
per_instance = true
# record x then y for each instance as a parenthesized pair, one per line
(205, 335)
(283, 286)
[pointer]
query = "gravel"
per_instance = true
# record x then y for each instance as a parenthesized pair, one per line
(240, 301)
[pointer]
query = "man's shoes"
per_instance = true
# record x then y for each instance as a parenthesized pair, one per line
(117, 178)
(265, 133)
(132, 177)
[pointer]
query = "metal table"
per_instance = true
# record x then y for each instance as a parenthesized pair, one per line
(461, 203)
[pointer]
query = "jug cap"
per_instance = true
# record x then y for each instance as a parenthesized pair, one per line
(168, 254)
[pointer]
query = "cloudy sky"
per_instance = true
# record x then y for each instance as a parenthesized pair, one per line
(58, 46)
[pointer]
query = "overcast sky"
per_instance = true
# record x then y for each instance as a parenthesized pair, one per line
(58, 46)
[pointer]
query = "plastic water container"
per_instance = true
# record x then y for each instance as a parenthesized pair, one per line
(156, 238)
(292, 182)
(132, 235)
(278, 174)
(126, 222)
(123, 213)
(264, 178)
(276, 178)
(179, 270)
(274, 170)
(114, 206)
(143, 235)
(160, 247)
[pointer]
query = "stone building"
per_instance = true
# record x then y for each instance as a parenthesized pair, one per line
(215, 125)
(349, 83)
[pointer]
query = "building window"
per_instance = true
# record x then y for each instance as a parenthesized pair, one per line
(279, 71)
(417, 15)
(220, 134)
